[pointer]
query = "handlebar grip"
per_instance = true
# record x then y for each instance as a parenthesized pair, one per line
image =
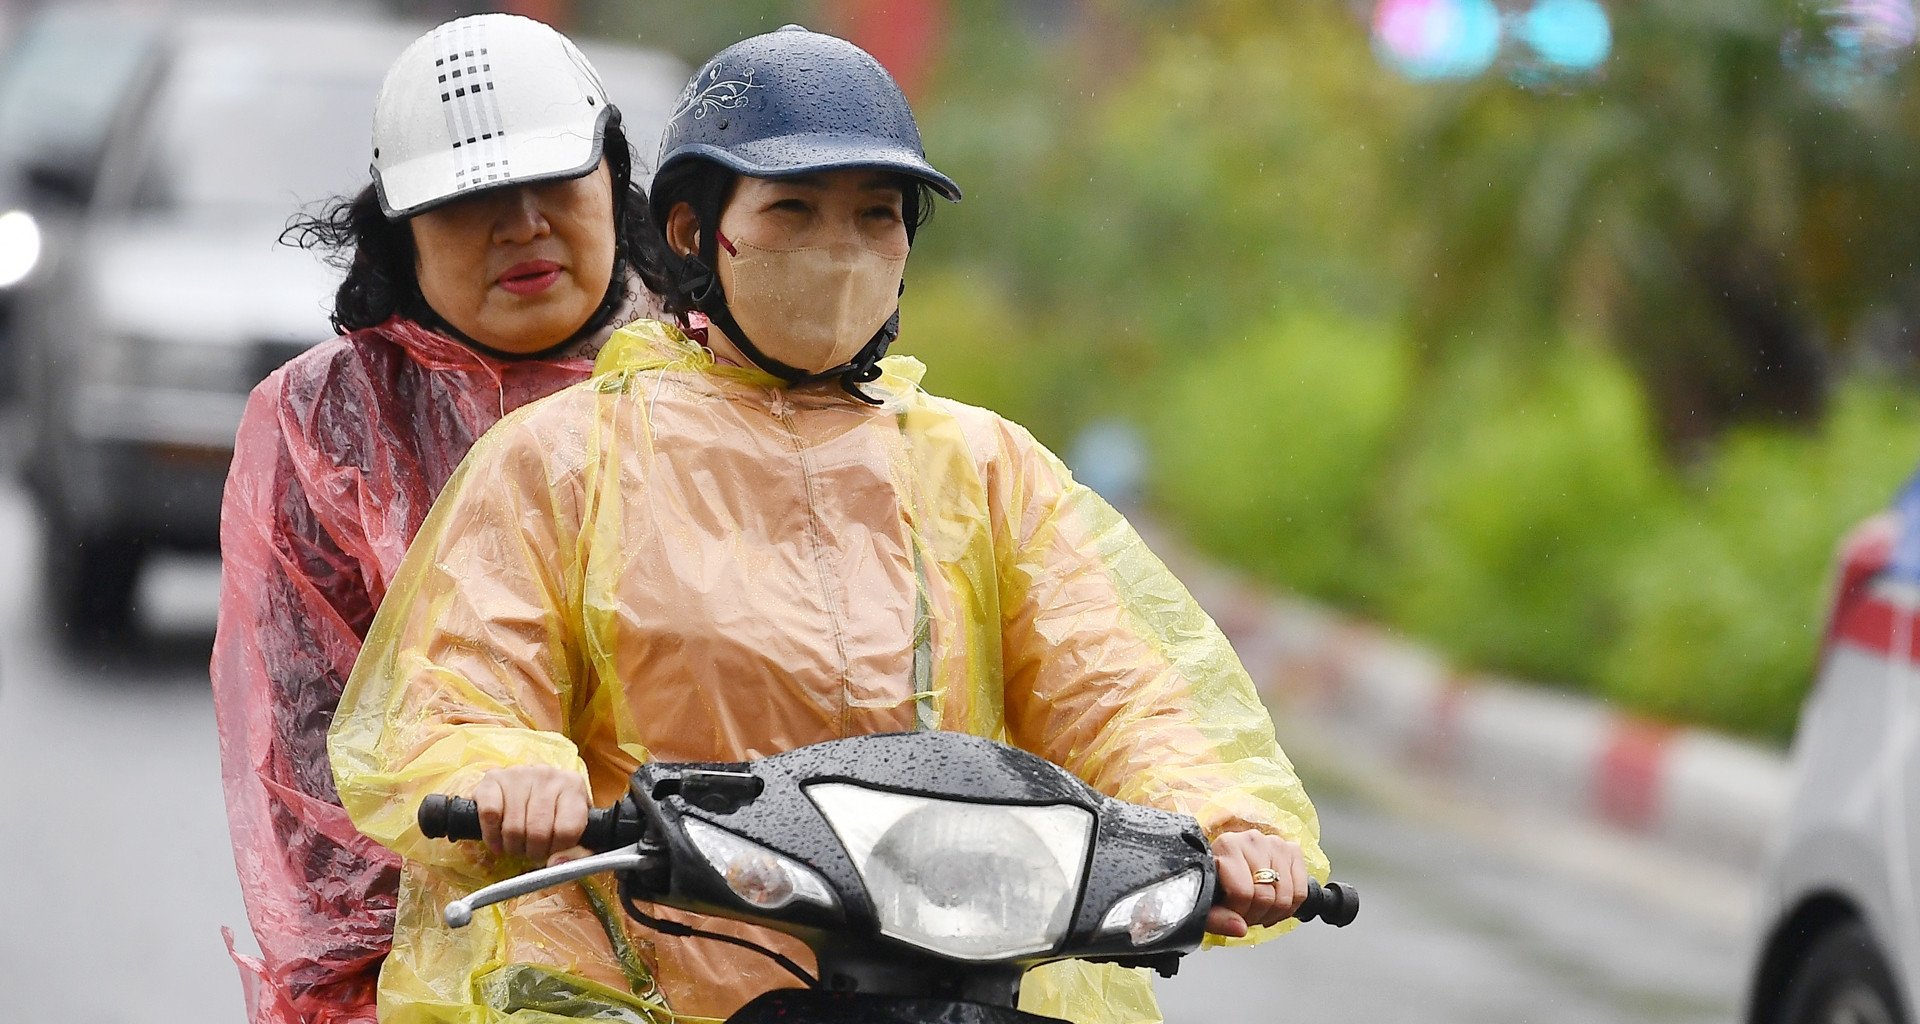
(1336, 903)
(449, 817)
(603, 830)
(458, 818)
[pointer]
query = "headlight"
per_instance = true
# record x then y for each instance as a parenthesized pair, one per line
(19, 246)
(756, 874)
(969, 881)
(1148, 915)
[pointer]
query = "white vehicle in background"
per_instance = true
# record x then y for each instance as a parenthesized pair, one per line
(142, 337)
(1840, 939)
(53, 130)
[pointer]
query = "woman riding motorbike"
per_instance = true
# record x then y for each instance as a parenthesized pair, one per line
(762, 536)
(491, 255)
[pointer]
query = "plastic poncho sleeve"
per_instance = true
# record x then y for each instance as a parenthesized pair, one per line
(1113, 671)
(478, 666)
(319, 895)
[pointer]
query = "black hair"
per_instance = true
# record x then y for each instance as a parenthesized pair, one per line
(688, 283)
(379, 257)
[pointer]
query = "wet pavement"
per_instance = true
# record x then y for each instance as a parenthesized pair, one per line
(1467, 930)
(118, 875)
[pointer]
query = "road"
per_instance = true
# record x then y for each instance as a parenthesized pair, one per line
(119, 878)
(1482, 927)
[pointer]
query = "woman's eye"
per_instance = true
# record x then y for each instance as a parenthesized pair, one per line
(885, 213)
(790, 206)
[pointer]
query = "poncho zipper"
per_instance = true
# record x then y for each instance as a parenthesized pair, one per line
(782, 410)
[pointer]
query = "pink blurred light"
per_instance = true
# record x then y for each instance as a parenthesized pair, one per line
(1413, 29)
(1881, 24)
(1434, 39)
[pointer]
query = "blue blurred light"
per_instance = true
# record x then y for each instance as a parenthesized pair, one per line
(1431, 39)
(1573, 35)
(1110, 456)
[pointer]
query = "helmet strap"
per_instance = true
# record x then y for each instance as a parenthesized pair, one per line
(711, 299)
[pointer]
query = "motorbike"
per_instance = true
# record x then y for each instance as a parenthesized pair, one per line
(927, 872)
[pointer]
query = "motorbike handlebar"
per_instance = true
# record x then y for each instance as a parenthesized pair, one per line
(458, 818)
(1336, 903)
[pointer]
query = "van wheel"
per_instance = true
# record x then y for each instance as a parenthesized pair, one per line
(90, 580)
(1842, 980)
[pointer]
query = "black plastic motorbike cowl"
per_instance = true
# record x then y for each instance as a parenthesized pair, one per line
(805, 1006)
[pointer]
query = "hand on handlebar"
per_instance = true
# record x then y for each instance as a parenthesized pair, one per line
(1244, 903)
(532, 811)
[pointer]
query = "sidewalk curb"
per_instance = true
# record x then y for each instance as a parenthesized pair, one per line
(1513, 744)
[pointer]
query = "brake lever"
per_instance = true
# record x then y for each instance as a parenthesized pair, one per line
(459, 913)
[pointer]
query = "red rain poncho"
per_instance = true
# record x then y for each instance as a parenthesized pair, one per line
(339, 457)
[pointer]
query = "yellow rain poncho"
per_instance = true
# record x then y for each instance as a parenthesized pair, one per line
(684, 561)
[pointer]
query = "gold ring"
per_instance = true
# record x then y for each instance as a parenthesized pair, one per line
(1266, 876)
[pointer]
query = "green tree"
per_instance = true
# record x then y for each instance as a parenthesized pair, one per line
(1702, 202)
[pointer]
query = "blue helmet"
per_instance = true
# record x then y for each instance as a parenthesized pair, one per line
(795, 102)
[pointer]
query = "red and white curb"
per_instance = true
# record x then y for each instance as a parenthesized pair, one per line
(1513, 744)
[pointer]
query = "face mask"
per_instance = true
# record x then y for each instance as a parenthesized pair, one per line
(812, 309)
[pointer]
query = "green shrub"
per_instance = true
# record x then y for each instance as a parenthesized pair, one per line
(1722, 610)
(1267, 450)
(1512, 509)
(1526, 481)
(975, 347)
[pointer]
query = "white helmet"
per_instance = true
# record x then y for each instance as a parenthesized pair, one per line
(481, 102)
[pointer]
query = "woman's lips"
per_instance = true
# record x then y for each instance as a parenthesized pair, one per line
(531, 277)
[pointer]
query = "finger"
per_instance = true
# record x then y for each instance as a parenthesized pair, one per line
(571, 805)
(513, 827)
(490, 800)
(1291, 888)
(565, 814)
(542, 809)
(1265, 895)
(568, 855)
(1300, 878)
(1221, 921)
(1236, 878)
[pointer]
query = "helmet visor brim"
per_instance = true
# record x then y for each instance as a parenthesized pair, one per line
(437, 179)
(790, 156)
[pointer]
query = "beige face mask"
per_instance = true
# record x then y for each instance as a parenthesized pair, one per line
(815, 308)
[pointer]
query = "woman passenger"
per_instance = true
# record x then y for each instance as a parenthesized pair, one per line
(492, 253)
